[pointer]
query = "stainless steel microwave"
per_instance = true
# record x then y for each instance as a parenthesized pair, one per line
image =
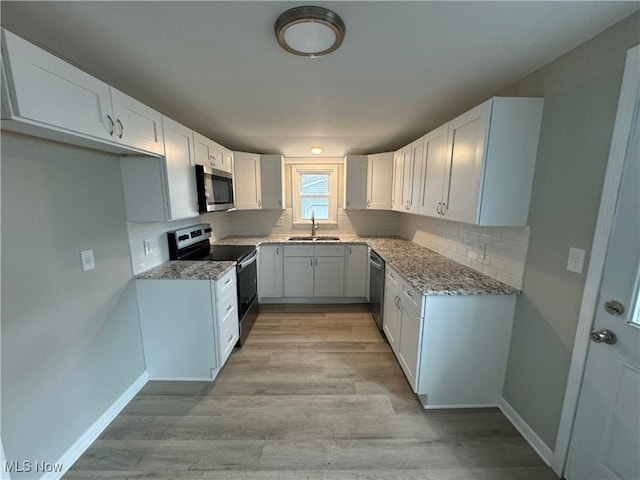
(215, 189)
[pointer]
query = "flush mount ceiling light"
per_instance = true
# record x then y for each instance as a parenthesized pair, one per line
(317, 150)
(309, 31)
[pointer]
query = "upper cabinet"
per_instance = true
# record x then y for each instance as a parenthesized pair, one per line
(248, 181)
(272, 179)
(396, 187)
(47, 97)
(211, 154)
(379, 175)
(163, 188)
(355, 182)
(407, 165)
(487, 171)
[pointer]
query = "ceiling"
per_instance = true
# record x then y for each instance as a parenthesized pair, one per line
(404, 67)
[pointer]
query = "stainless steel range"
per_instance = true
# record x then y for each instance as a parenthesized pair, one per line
(192, 243)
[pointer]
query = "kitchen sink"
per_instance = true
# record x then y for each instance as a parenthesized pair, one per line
(321, 238)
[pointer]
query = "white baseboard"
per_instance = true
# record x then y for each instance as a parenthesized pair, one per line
(94, 431)
(541, 448)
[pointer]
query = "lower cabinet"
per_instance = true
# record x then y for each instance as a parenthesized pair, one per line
(189, 327)
(452, 348)
(270, 271)
(314, 271)
(357, 271)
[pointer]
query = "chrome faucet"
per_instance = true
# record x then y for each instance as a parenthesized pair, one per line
(314, 225)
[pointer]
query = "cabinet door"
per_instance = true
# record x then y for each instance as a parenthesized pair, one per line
(466, 144)
(227, 324)
(357, 270)
(203, 148)
(217, 156)
(247, 182)
(180, 173)
(228, 161)
(329, 277)
(434, 168)
(415, 159)
(47, 90)
(391, 314)
(409, 343)
(298, 276)
(379, 181)
(355, 182)
(272, 178)
(396, 194)
(137, 125)
(270, 271)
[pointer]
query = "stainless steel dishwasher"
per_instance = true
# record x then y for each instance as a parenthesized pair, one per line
(376, 287)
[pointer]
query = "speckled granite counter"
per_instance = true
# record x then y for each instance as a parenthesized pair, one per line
(187, 270)
(426, 270)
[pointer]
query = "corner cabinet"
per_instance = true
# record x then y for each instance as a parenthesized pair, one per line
(272, 179)
(163, 188)
(379, 181)
(247, 181)
(47, 97)
(446, 343)
(487, 172)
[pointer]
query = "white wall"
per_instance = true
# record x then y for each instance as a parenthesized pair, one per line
(505, 254)
(71, 340)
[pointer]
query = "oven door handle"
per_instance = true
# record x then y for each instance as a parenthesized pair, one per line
(377, 265)
(248, 261)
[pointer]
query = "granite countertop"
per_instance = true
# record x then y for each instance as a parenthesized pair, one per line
(427, 271)
(187, 270)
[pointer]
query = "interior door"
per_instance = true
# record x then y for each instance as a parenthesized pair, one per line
(606, 435)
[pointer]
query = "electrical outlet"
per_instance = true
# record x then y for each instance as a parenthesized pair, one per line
(87, 260)
(148, 247)
(279, 222)
(576, 260)
(482, 254)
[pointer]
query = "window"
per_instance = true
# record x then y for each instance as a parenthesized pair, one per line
(315, 192)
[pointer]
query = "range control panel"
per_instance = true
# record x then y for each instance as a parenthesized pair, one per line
(187, 236)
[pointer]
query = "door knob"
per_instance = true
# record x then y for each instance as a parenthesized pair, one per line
(614, 308)
(604, 336)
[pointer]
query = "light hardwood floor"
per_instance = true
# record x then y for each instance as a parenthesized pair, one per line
(314, 394)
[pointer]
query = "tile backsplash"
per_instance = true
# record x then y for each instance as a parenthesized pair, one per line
(156, 232)
(498, 252)
(359, 222)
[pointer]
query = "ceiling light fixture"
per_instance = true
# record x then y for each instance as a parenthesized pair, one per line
(317, 150)
(309, 31)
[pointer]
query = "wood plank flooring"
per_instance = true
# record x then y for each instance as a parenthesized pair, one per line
(314, 394)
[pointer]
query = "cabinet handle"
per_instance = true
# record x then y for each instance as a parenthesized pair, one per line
(347, 202)
(229, 307)
(230, 338)
(277, 250)
(260, 203)
(444, 208)
(121, 128)
(408, 293)
(311, 262)
(439, 208)
(349, 250)
(368, 203)
(112, 125)
(316, 262)
(228, 281)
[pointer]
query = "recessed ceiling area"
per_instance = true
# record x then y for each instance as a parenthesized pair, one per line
(403, 69)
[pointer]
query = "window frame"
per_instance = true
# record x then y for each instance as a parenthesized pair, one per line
(296, 192)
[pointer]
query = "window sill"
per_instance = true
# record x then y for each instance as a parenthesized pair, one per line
(307, 224)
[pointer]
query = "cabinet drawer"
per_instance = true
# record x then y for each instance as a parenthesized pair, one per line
(226, 283)
(412, 297)
(226, 304)
(298, 250)
(329, 250)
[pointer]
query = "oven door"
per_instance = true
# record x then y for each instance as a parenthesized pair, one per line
(247, 283)
(215, 189)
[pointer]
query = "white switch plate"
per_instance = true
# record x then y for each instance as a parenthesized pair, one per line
(87, 261)
(279, 222)
(148, 247)
(576, 260)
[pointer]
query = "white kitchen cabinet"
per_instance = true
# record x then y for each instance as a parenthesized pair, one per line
(355, 182)
(298, 276)
(391, 314)
(357, 270)
(163, 188)
(45, 96)
(189, 327)
(314, 270)
(435, 174)
(270, 271)
(409, 337)
(272, 178)
(396, 191)
(208, 152)
(247, 181)
(379, 181)
(491, 153)
(227, 165)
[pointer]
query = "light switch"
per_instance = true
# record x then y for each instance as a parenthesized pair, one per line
(576, 260)
(148, 247)
(87, 261)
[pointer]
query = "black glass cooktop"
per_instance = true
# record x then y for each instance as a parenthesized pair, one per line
(229, 252)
